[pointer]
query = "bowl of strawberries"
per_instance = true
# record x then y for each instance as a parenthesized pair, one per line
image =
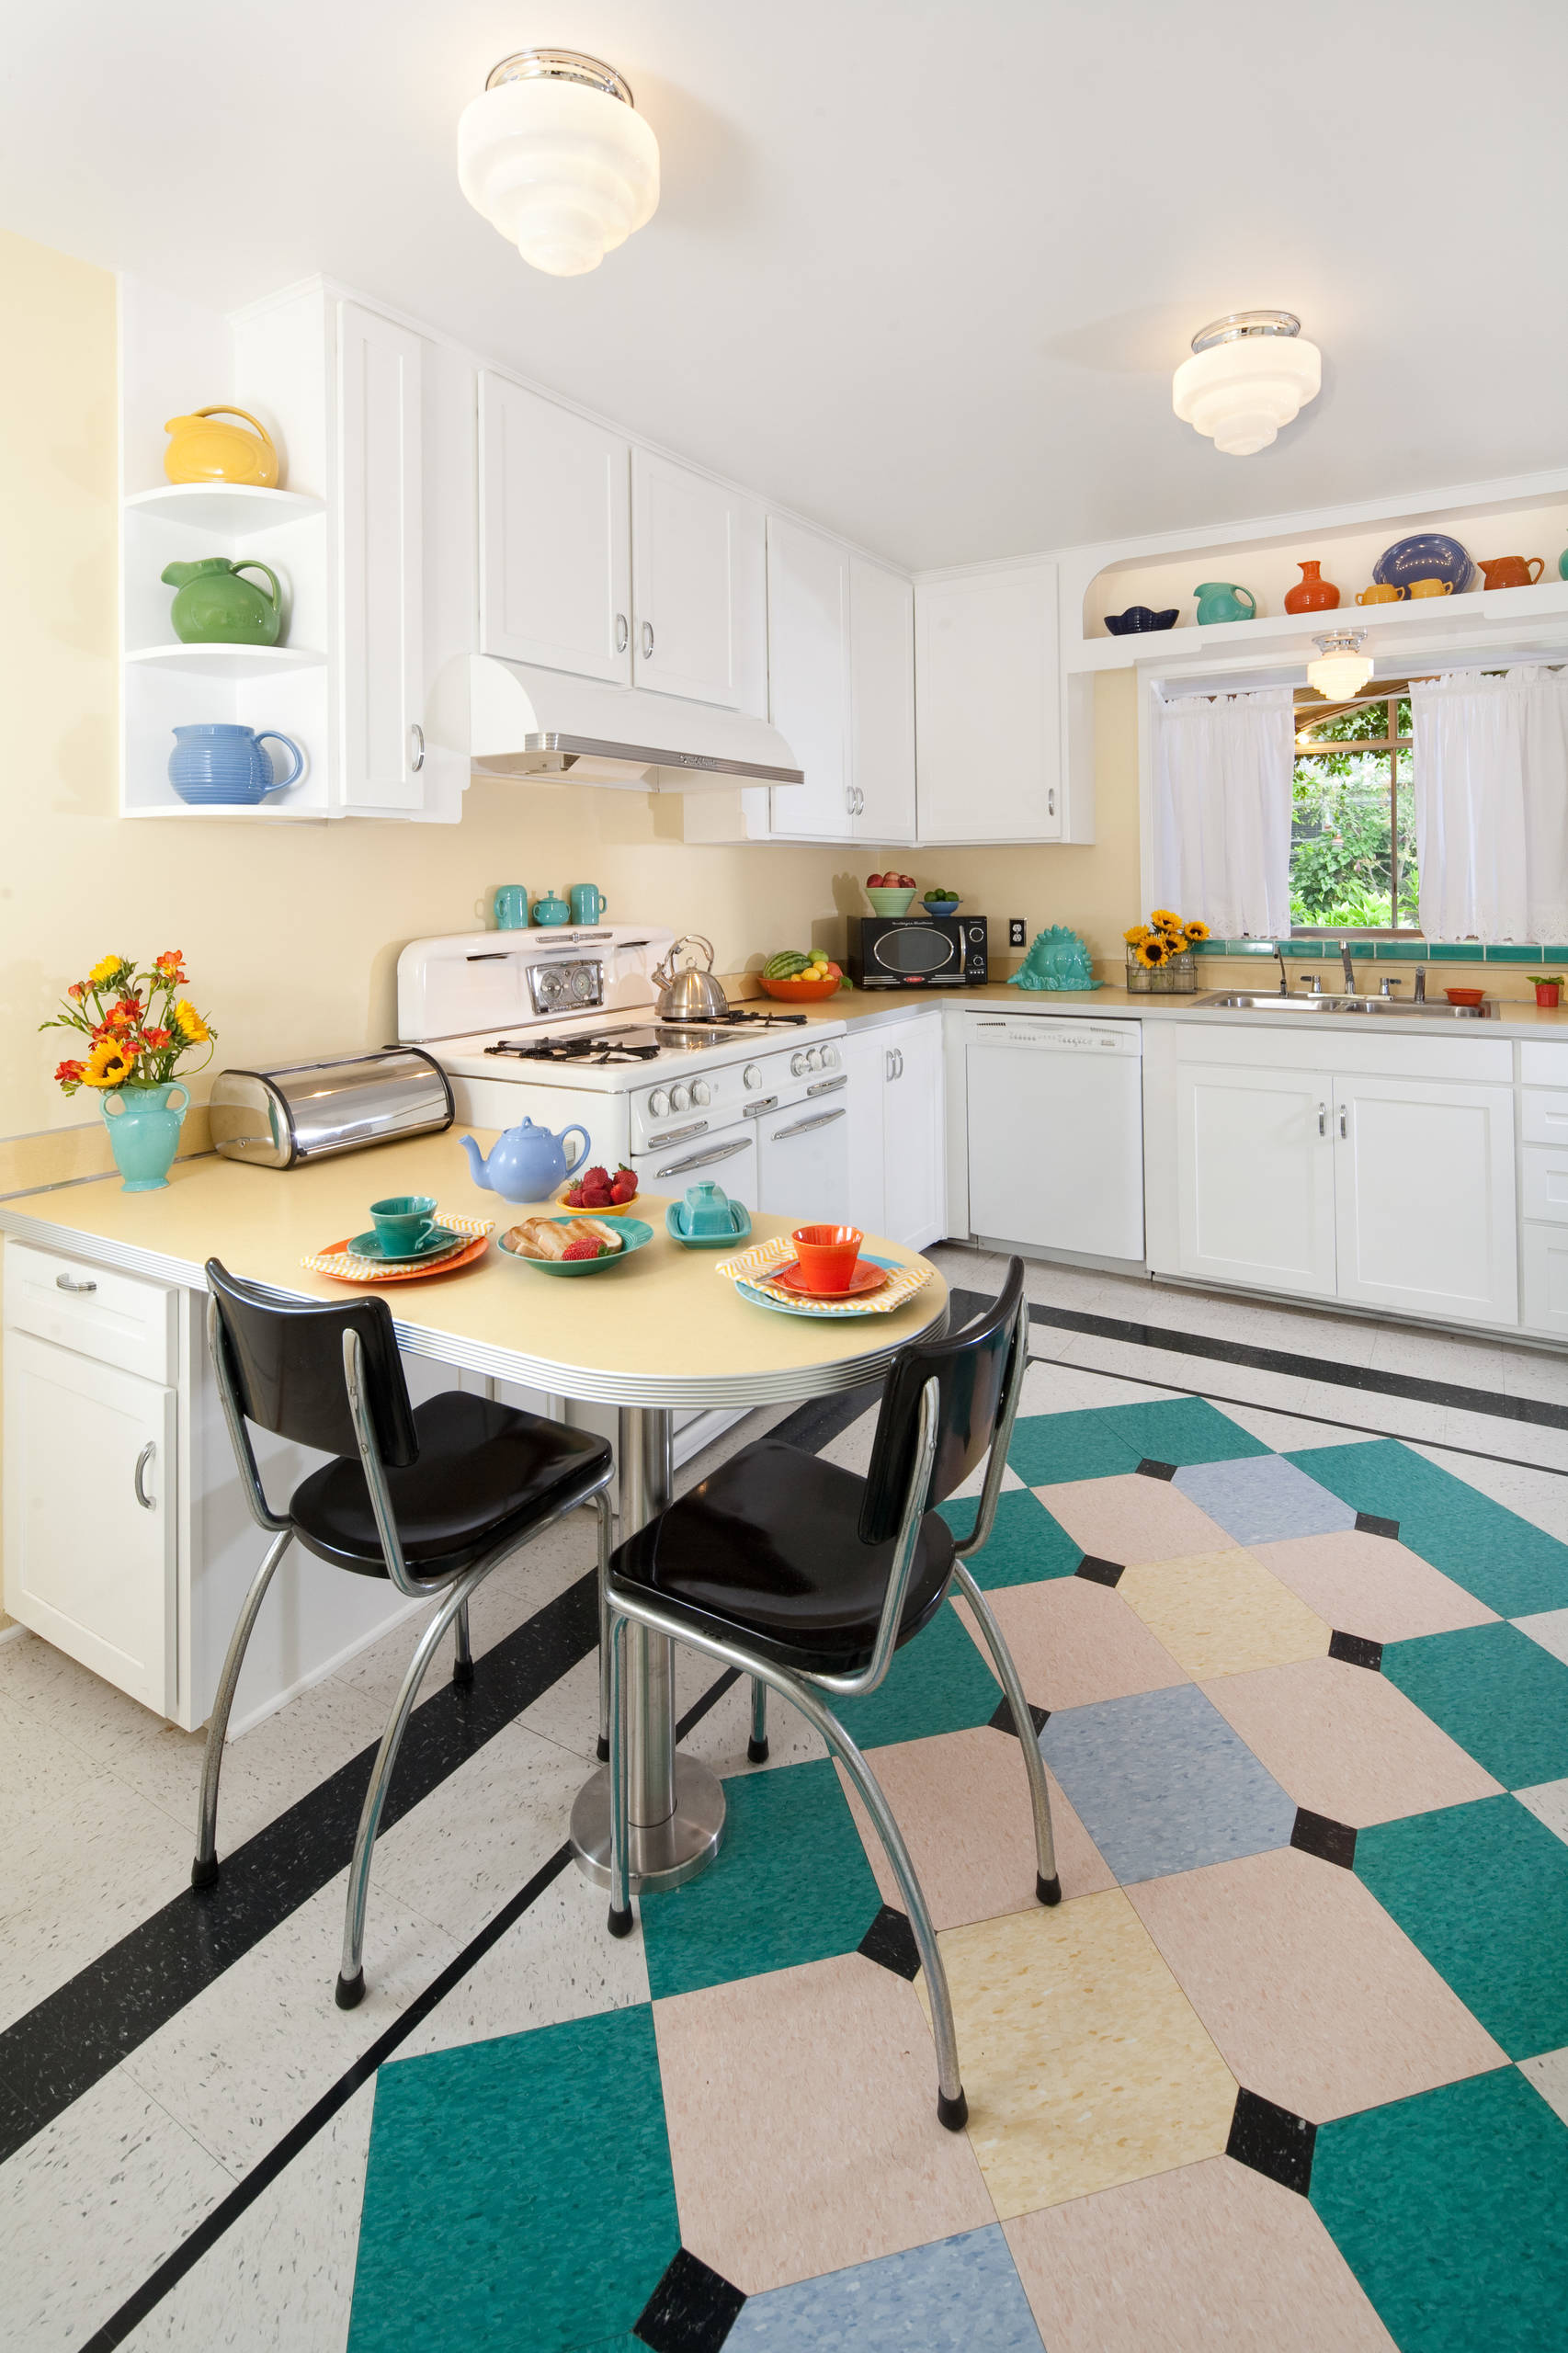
(598, 1194)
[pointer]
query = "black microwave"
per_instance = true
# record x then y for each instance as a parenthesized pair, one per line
(917, 951)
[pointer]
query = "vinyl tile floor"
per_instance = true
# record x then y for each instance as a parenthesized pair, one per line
(1286, 2070)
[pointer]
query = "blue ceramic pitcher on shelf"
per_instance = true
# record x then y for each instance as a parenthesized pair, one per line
(526, 1163)
(221, 766)
(1222, 600)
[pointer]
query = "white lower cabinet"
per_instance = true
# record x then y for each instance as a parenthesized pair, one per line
(1545, 1263)
(1254, 1177)
(896, 1129)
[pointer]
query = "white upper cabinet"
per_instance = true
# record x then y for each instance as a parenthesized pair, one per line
(882, 703)
(808, 676)
(690, 540)
(989, 726)
(380, 475)
(555, 536)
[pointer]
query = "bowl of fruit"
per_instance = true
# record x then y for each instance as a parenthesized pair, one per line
(889, 894)
(939, 903)
(598, 1194)
(801, 978)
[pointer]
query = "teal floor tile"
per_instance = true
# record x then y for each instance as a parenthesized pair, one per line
(517, 2192)
(1050, 1447)
(1483, 1891)
(1024, 1543)
(792, 1884)
(1452, 2210)
(1183, 1430)
(1500, 1694)
(936, 1683)
(1494, 1554)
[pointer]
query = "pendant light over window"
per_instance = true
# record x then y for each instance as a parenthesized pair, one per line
(1341, 669)
(1249, 374)
(557, 158)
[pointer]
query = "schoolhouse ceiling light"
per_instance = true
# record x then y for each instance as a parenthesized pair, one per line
(1341, 669)
(1249, 374)
(554, 155)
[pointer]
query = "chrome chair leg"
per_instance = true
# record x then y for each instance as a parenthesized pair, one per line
(620, 1780)
(757, 1746)
(204, 1869)
(351, 1975)
(1048, 1885)
(462, 1663)
(607, 1545)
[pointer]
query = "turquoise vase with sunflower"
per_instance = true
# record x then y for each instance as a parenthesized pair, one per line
(143, 1125)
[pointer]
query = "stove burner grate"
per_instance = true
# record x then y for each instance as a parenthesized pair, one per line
(601, 1049)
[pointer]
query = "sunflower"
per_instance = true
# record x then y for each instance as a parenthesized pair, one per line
(108, 970)
(1196, 930)
(109, 1064)
(1151, 953)
(1136, 936)
(1164, 920)
(188, 1022)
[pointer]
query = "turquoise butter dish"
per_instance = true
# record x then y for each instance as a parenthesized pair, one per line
(738, 1230)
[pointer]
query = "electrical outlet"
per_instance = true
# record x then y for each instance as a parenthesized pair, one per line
(1015, 928)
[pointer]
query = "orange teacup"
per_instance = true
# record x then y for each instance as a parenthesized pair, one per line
(826, 1255)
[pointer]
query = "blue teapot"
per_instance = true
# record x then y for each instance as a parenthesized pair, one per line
(526, 1163)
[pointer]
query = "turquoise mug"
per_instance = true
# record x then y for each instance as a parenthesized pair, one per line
(589, 903)
(1221, 600)
(510, 906)
(550, 909)
(219, 765)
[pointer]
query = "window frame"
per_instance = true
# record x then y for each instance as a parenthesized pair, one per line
(1390, 693)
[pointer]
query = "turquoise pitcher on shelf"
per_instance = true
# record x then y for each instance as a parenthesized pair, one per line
(1221, 600)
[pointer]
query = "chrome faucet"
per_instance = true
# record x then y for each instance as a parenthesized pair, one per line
(1284, 980)
(1311, 984)
(1349, 968)
(1421, 985)
(1388, 987)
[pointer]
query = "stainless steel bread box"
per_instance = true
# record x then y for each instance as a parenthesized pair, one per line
(310, 1110)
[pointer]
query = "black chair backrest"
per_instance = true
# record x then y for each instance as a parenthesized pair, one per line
(285, 1359)
(972, 1367)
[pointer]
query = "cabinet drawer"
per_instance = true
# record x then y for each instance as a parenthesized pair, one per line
(1546, 1279)
(1543, 1116)
(1544, 1065)
(1545, 1183)
(116, 1319)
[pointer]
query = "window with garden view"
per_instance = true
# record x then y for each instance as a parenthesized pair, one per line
(1353, 816)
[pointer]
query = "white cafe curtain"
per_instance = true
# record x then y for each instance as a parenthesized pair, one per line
(1491, 758)
(1223, 769)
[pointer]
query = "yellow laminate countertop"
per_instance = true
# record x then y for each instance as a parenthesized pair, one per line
(1507, 1017)
(663, 1330)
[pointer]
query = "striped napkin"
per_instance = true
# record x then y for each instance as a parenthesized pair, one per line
(753, 1267)
(348, 1267)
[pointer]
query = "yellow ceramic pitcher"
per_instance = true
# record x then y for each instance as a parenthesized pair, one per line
(200, 450)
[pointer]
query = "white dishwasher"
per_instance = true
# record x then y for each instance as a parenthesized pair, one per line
(1056, 1131)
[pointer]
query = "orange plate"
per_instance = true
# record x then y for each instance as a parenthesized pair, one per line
(865, 1277)
(449, 1266)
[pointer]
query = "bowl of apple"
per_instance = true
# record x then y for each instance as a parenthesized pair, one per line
(889, 894)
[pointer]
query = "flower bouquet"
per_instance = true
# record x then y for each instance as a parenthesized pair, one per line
(140, 1028)
(1159, 955)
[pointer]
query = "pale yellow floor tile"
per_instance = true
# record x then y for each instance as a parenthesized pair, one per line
(1224, 1613)
(1083, 2061)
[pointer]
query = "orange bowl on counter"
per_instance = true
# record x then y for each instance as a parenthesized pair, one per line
(1465, 996)
(802, 990)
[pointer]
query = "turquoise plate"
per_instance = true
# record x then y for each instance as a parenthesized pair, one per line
(441, 1237)
(740, 1233)
(760, 1299)
(636, 1233)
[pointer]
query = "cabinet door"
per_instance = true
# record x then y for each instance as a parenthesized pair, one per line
(1424, 1197)
(882, 703)
(555, 536)
(1254, 1177)
(1545, 1255)
(866, 1062)
(914, 1158)
(808, 673)
(380, 576)
(989, 749)
(89, 1566)
(688, 542)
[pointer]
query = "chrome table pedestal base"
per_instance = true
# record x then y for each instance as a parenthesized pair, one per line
(663, 1853)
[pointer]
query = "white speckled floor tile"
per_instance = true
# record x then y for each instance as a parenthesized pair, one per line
(76, 1877)
(478, 1838)
(1549, 1803)
(720, 1740)
(558, 1961)
(39, 1766)
(1549, 2074)
(1538, 1496)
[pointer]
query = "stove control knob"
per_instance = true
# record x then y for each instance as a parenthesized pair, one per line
(658, 1103)
(752, 1074)
(830, 1058)
(680, 1098)
(797, 1065)
(813, 1058)
(702, 1092)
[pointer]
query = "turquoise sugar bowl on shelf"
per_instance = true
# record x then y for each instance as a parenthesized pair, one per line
(143, 1125)
(551, 910)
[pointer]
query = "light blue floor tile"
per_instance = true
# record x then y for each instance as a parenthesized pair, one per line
(953, 2296)
(1260, 1501)
(1163, 1784)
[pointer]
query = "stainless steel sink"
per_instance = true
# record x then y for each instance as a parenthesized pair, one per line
(1379, 1007)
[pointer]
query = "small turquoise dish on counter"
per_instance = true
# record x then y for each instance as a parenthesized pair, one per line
(706, 1219)
(402, 1223)
(634, 1233)
(143, 1125)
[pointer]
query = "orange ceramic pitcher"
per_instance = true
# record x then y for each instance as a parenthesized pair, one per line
(1512, 571)
(1312, 593)
(200, 450)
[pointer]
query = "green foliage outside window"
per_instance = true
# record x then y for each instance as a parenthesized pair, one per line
(1353, 821)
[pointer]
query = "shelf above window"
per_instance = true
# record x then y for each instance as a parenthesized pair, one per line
(224, 508)
(245, 662)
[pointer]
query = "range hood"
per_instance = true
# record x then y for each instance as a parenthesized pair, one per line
(525, 721)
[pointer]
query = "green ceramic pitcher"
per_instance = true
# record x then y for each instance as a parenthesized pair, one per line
(1221, 600)
(215, 607)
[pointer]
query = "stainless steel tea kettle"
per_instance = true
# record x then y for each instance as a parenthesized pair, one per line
(692, 994)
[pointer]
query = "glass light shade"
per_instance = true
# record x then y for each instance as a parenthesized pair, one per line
(564, 171)
(1239, 393)
(1340, 672)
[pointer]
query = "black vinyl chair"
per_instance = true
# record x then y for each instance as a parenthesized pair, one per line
(808, 1579)
(431, 1496)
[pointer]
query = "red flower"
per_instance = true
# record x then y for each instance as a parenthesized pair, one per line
(123, 1017)
(170, 967)
(77, 991)
(155, 1040)
(69, 1073)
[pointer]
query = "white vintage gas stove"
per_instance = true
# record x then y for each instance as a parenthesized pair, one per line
(558, 1025)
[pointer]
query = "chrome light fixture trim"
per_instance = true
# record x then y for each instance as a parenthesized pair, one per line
(1341, 669)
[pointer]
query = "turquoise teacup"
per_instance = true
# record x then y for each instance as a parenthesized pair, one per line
(707, 1210)
(402, 1221)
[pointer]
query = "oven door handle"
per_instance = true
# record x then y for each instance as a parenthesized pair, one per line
(705, 1159)
(804, 1127)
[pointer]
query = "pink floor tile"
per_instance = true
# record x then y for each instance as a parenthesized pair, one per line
(1075, 1642)
(962, 1802)
(802, 2110)
(1368, 1586)
(1130, 1518)
(1347, 1744)
(1315, 1999)
(1210, 2256)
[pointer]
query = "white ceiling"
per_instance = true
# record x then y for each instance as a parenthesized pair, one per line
(920, 270)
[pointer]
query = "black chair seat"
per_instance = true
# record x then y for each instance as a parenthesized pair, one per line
(771, 1547)
(484, 1471)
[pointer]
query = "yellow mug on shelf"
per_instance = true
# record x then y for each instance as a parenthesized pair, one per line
(1431, 588)
(1380, 594)
(200, 450)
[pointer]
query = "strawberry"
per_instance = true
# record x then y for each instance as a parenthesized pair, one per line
(584, 1249)
(624, 1188)
(594, 1176)
(572, 1197)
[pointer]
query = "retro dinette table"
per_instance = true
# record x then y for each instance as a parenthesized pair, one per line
(662, 1332)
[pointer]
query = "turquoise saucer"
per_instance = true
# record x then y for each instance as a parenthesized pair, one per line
(441, 1237)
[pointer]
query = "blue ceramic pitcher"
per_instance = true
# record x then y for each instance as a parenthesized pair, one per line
(221, 766)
